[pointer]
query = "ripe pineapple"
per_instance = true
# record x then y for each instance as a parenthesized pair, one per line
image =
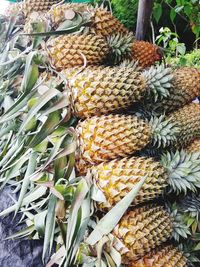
(102, 21)
(72, 50)
(118, 177)
(185, 87)
(141, 230)
(108, 137)
(194, 146)
(187, 120)
(167, 256)
(98, 90)
(28, 6)
(146, 53)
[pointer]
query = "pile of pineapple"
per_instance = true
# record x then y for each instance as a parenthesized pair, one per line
(100, 140)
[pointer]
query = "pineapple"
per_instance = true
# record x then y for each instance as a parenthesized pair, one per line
(145, 53)
(141, 230)
(118, 177)
(187, 120)
(28, 6)
(73, 50)
(108, 137)
(98, 90)
(194, 146)
(185, 87)
(166, 256)
(113, 136)
(102, 21)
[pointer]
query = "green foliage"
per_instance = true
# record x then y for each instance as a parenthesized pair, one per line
(170, 42)
(188, 10)
(126, 12)
(191, 59)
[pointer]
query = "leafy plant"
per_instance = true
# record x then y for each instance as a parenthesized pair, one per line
(170, 42)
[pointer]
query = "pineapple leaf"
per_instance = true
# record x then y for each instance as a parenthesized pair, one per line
(30, 198)
(26, 180)
(110, 220)
(49, 226)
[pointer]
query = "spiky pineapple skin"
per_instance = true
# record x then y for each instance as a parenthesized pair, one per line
(118, 177)
(103, 90)
(113, 136)
(187, 119)
(73, 50)
(29, 6)
(141, 230)
(185, 87)
(105, 24)
(145, 53)
(194, 146)
(168, 256)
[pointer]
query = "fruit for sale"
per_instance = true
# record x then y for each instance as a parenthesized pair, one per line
(179, 171)
(194, 146)
(141, 230)
(166, 256)
(98, 90)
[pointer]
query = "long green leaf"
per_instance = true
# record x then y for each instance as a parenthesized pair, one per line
(30, 170)
(50, 225)
(111, 219)
(38, 193)
(48, 127)
(39, 222)
(51, 93)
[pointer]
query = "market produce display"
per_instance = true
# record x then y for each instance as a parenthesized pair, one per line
(98, 138)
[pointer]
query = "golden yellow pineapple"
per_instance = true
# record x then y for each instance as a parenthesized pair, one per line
(185, 87)
(105, 24)
(179, 171)
(73, 50)
(99, 90)
(118, 177)
(145, 53)
(29, 6)
(141, 230)
(114, 136)
(109, 137)
(166, 256)
(194, 146)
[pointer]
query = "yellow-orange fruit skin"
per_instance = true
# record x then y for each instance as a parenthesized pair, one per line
(118, 177)
(142, 230)
(69, 51)
(111, 136)
(167, 256)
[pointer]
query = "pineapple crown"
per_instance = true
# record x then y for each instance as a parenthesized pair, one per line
(183, 169)
(158, 80)
(120, 46)
(164, 131)
(180, 229)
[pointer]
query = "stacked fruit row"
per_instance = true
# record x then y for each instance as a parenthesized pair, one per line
(126, 113)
